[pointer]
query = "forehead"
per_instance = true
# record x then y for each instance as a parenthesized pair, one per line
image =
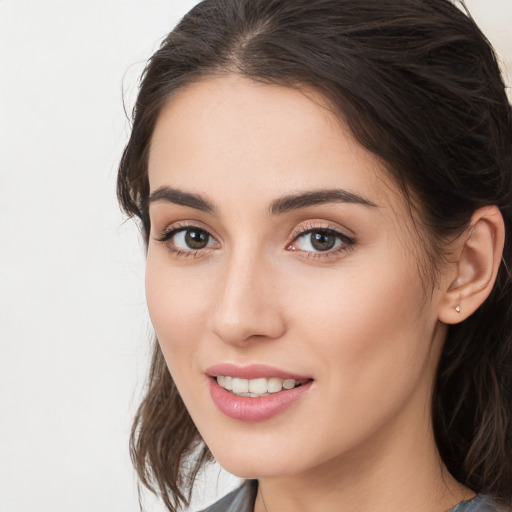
(226, 133)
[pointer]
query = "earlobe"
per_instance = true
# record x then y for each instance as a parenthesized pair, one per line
(476, 267)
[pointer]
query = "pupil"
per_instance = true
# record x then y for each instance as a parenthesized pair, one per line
(323, 241)
(196, 239)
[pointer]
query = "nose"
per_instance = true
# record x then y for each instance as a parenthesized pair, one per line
(247, 303)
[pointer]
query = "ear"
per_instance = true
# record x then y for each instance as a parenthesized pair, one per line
(473, 273)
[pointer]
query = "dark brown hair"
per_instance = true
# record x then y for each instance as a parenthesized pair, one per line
(419, 86)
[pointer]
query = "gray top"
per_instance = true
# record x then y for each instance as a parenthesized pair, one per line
(243, 498)
(239, 500)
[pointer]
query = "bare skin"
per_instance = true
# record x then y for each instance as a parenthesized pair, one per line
(351, 314)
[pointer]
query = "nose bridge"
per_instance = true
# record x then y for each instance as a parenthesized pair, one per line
(246, 304)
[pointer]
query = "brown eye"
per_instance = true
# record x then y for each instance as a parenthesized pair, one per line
(194, 238)
(322, 241)
(188, 241)
(191, 239)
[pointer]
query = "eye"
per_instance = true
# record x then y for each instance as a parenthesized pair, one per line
(192, 239)
(320, 240)
(187, 240)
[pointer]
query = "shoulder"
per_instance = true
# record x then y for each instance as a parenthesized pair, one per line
(240, 500)
(479, 503)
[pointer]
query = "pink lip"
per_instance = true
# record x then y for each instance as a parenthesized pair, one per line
(249, 409)
(253, 371)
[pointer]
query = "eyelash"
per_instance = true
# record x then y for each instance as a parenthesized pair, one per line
(346, 242)
(167, 236)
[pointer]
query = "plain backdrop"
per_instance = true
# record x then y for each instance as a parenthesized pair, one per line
(74, 330)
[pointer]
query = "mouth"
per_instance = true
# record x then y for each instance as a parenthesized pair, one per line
(256, 392)
(258, 387)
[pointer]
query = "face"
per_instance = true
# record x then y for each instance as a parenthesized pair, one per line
(283, 281)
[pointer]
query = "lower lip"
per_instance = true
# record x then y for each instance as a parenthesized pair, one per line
(260, 408)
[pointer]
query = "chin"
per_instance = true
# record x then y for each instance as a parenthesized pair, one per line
(256, 459)
(254, 469)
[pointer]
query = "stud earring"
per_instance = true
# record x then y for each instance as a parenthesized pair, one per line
(457, 308)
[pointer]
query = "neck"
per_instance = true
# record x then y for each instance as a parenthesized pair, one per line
(400, 469)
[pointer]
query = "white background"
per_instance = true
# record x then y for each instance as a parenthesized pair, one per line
(74, 331)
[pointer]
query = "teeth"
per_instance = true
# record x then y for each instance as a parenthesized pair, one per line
(256, 387)
(228, 383)
(240, 385)
(288, 384)
(274, 385)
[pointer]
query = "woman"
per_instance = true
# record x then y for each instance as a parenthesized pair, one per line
(324, 188)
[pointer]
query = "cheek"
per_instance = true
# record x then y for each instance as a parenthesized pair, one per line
(371, 331)
(360, 302)
(176, 304)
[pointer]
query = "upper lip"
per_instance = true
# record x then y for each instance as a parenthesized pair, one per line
(252, 371)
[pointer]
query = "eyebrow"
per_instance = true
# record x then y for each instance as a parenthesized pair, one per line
(317, 197)
(177, 196)
(277, 207)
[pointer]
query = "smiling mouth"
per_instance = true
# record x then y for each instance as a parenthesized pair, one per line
(260, 387)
